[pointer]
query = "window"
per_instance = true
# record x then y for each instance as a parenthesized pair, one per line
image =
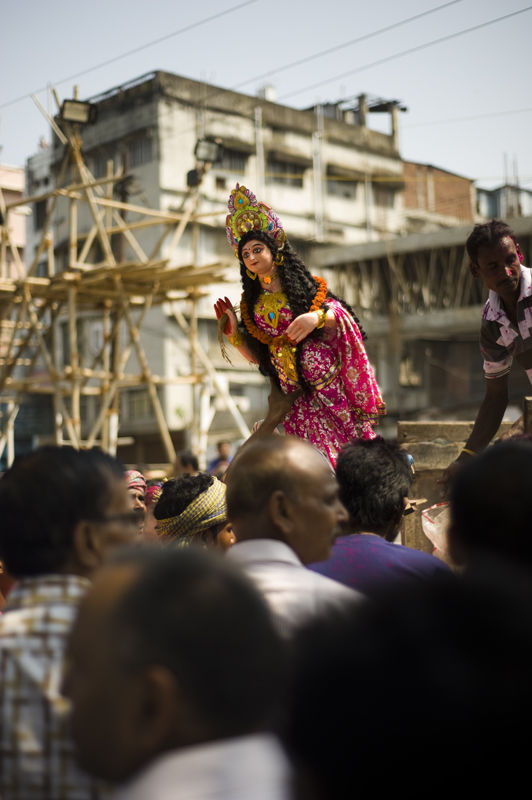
(99, 164)
(137, 404)
(42, 269)
(220, 183)
(65, 342)
(286, 173)
(140, 151)
(232, 160)
(340, 186)
(39, 215)
(383, 196)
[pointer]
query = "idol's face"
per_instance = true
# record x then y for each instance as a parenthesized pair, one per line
(257, 258)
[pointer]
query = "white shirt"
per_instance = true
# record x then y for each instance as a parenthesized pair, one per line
(247, 768)
(295, 594)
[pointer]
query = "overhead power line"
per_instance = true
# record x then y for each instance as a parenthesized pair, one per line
(131, 52)
(342, 45)
(414, 49)
(215, 93)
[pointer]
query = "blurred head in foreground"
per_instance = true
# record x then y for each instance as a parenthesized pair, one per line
(141, 677)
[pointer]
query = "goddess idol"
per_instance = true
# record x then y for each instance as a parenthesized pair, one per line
(300, 334)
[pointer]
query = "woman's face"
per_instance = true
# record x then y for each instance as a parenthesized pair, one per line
(257, 257)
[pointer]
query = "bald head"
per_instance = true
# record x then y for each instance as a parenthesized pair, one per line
(282, 488)
(265, 466)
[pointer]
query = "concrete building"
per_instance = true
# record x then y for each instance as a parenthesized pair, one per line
(330, 178)
(11, 190)
(505, 201)
(39, 179)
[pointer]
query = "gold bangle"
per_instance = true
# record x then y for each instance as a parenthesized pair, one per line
(467, 451)
(236, 339)
(322, 317)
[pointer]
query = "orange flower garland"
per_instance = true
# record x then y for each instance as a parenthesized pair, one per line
(320, 295)
(265, 338)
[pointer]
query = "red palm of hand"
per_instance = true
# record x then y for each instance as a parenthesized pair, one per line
(225, 307)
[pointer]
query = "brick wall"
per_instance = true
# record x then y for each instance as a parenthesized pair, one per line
(436, 191)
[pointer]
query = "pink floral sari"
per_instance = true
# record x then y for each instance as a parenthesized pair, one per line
(346, 401)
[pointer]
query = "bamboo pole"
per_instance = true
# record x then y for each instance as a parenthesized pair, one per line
(54, 376)
(33, 266)
(3, 237)
(63, 191)
(58, 417)
(156, 403)
(114, 409)
(193, 334)
(102, 235)
(9, 361)
(87, 245)
(50, 254)
(73, 233)
(217, 382)
(23, 387)
(133, 243)
(7, 243)
(13, 410)
(106, 363)
(120, 363)
(179, 231)
(74, 361)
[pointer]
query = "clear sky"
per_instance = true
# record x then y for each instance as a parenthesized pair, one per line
(469, 99)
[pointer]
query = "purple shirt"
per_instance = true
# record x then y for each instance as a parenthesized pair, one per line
(367, 562)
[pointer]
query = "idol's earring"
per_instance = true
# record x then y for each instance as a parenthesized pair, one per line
(279, 259)
(251, 275)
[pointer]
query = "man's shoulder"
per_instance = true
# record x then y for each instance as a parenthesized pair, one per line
(42, 606)
(327, 586)
(362, 560)
(263, 551)
(287, 584)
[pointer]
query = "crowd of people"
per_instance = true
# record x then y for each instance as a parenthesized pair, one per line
(254, 631)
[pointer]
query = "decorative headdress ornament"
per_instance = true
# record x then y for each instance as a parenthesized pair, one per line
(247, 214)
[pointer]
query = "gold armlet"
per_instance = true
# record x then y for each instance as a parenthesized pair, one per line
(322, 318)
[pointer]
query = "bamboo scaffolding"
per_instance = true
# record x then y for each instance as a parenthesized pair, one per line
(32, 307)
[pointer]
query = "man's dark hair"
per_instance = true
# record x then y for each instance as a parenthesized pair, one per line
(490, 502)
(42, 498)
(374, 478)
(178, 493)
(486, 235)
(188, 459)
(440, 668)
(187, 610)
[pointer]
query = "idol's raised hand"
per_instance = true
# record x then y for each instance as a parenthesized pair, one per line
(222, 307)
